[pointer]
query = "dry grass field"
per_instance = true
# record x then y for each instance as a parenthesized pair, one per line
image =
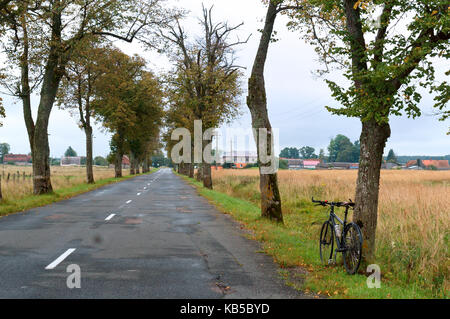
(414, 215)
(62, 177)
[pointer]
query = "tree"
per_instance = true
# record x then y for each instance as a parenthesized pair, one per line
(147, 103)
(114, 98)
(128, 102)
(206, 81)
(337, 146)
(307, 152)
(257, 104)
(322, 155)
(43, 37)
(4, 150)
(100, 161)
(391, 158)
(290, 152)
(77, 91)
(384, 68)
(70, 152)
(283, 164)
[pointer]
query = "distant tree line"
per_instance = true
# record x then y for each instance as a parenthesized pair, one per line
(340, 149)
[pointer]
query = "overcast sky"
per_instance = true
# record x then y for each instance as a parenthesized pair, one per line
(296, 98)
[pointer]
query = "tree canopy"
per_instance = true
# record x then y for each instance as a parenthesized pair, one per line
(70, 152)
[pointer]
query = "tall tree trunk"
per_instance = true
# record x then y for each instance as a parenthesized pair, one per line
(206, 169)
(132, 164)
(54, 70)
(145, 168)
(206, 175)
(89, 156)
(191, 170)
(257, 103)
(137, 167)
(373, 141)
(118, 165)
(1, 196)
(119, 155)
(199, 175)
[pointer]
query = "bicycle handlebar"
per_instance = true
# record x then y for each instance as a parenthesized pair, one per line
(337, 204)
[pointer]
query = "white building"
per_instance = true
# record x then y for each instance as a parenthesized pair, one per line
(239, 157)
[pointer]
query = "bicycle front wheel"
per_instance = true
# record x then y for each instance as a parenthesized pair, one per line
(326, 243)
(352, 241)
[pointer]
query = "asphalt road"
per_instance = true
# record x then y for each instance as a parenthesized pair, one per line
(148, 237)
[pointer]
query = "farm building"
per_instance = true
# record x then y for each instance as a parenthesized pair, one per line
(438, 164)
(293, 163)
(338, 165)
(71, 161)
(311, 164)
(240, 159)
(17, 159)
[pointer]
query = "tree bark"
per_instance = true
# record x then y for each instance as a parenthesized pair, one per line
(206, 176)
(137, 166)
(199, 174)
(132, 164)
(89, 156)
(257, 103)
(145, 168)
(373, 142)
(191, 170)
(53, 73)
(118, 165)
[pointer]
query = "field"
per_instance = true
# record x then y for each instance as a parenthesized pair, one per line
(66, 181)
(413, 225)
(62, 177)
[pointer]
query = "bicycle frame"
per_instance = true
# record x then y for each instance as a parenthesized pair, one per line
(333, 218)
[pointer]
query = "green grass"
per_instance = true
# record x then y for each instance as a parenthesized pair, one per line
(33, 201)
(292, 247)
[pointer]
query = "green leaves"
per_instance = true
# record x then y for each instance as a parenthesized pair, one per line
(397, 57)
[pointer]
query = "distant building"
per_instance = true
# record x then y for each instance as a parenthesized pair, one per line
(438, 164)
(311, 164)
(71, 161)
(389, 165)
(239, 159)
(293, 163)
(338, 165)
(17, 159)
(126, 162)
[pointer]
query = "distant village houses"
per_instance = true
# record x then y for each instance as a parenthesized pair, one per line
(17, 159)
(239, 159)
(428, 164)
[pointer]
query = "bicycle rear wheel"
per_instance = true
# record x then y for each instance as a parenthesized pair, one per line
(352, 241)
(327, 243)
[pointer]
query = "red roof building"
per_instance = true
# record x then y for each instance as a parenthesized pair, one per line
(16, 158)
(311, 164)
(439, 164)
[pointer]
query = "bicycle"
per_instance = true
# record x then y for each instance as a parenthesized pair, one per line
(349, 242)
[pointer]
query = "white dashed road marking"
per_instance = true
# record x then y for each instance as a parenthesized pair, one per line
(129, 201)
(60, 259)
(110, 217)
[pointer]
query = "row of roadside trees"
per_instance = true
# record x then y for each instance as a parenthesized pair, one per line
(383, 69)
(61, 51)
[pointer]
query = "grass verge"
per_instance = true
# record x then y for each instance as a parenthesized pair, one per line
(292, 248)
(32, 201)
